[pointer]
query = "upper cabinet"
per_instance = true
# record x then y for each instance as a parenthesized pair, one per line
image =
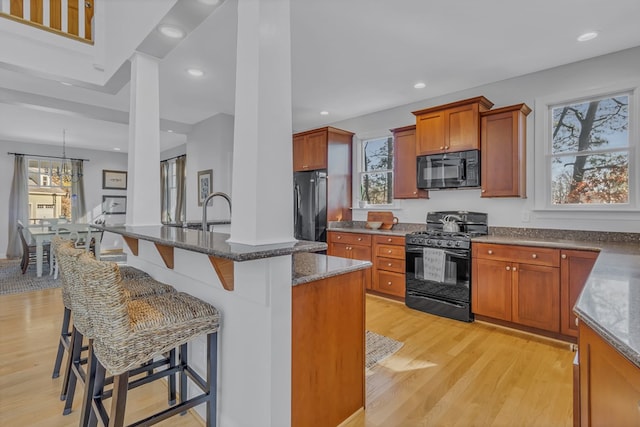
(450, 127)
(310, 150)
(404, 164)
(503, 148)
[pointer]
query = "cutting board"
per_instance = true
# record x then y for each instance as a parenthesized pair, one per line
(386, 218)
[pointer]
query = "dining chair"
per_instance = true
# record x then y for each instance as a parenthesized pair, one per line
(71, 232)
(29, 251)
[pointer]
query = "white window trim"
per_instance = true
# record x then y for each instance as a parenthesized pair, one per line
(359, 166)
(542, 172)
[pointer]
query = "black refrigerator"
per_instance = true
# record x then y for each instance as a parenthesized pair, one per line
(310, 205)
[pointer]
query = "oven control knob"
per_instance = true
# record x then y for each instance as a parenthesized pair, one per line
(457, 243)
(450, 243)
(429, 242)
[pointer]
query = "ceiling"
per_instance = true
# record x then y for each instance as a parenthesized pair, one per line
(349, 57)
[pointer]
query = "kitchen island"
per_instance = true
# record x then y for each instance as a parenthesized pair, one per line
(268, 296)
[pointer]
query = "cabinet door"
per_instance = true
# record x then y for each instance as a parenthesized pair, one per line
(430, 133)
(310, 151)
(491, 288)
(363, 253)
(503, 148)
(536, 296)
(339, 249)
(462, 128)
(609, 383)
(575, 267)
(404, 165)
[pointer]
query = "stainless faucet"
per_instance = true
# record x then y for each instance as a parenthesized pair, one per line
(206, 201)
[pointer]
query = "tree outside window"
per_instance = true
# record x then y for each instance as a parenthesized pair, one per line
(376, 175)
(590, 152)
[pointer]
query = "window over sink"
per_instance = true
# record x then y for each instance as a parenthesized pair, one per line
(376, 171)
(587, 150)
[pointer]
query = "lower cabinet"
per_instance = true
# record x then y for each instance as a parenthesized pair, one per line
(385, 252)
(518, 284)
(388, 265)
(609, 384)
(529, 286)
(352, 246)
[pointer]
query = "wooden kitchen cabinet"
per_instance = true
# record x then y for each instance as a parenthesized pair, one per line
(609, 383)
(310, 150)
(451, 127)
(404, 164)
(503, 151)
(352, 246)
(389, 265)
(517, 284)
(575, 267)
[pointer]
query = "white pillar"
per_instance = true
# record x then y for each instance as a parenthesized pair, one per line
(143, 187)
(262, 157)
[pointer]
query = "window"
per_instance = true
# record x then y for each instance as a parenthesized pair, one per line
(172, 172)
(376, 171)
(588, 158)
(49, 189)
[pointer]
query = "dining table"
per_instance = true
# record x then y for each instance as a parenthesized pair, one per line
(42, 234)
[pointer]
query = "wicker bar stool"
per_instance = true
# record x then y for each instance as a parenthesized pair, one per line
(128, 332)
(137, 284)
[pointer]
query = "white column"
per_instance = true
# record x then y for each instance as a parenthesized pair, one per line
(143, 187)
(262, 157)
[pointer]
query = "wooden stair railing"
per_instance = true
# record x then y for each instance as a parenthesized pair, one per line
(76, 12)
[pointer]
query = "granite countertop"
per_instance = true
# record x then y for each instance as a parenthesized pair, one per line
(309, 267)
(610, 301)
(211, 243)
(401, 229)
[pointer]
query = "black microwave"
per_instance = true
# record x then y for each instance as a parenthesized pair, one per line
(449, 170)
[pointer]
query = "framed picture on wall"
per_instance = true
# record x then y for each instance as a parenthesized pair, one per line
(205, 182)
(112, 205)
(114, 180)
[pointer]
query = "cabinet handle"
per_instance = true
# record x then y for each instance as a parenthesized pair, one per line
(513, 269)
(577, 320)
(415, 192)
(442, 147)
(339, 237)
(446, 147)
(359, 239)
(564, 256)
(389, 251)
(490, 252)
(508, 268)
(389, 264)
(389, 283)
(483, 191)
(534, 256)
(389, 240)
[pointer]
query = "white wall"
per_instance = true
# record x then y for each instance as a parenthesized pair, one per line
(510, 212)
(210, 146)
(98, 160)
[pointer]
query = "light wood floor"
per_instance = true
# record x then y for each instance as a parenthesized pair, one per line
(448, 373)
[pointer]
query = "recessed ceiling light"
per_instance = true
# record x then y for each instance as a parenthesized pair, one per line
(209, 2)
(171, 31)
(420, 85)
(195, 72)
(116, 149)
(66, 83)
(170, 130)
(587, 36)
(324, 113)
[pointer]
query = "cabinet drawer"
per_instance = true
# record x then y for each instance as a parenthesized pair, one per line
(390, 251)
(390, 264)
(390, 283)
(389, 240)
(350, 238)
(517, 254)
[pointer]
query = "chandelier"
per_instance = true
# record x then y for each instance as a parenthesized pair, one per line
(65, 170)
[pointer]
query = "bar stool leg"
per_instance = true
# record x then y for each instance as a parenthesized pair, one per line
(172, 378)
(71, 377)
(119, 399)
(183, 375)
(64, 338)
(89, 384)
(212, 378)
(95, 403)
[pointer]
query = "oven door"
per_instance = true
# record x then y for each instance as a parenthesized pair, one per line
(439, 273)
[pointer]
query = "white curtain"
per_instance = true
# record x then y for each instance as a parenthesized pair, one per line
(18, 205)
(78, 204)
(164, 192)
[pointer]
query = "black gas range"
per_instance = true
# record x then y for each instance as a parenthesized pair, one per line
(438, 263)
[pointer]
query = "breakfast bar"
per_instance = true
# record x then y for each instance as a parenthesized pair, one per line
(272, 298)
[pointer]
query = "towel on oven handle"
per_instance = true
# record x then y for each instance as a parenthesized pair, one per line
(434, 264)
